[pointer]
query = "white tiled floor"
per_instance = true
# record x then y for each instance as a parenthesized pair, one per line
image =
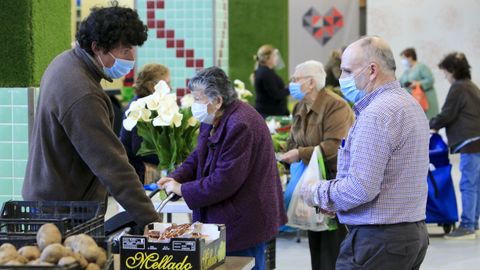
(441, 254)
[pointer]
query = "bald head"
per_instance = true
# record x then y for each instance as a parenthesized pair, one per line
(372, 49)
(370, 61)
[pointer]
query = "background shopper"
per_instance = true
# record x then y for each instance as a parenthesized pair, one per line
(460, 116)
(319, 118)
(271, 93)
(419, 73)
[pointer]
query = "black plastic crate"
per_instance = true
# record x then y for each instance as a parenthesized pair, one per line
(108, 266)
(20, 220)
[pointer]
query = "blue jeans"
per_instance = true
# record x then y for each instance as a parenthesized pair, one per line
(470, 189)
(257, 251)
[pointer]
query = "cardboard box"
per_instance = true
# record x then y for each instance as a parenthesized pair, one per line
(137, 252)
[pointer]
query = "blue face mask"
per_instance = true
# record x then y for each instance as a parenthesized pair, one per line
(296, 90)
(119, 69)
(349, 88)
(406, 64)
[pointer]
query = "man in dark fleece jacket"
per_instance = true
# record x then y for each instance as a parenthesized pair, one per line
(74, 152)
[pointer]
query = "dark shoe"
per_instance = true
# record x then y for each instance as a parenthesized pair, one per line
(461, 233)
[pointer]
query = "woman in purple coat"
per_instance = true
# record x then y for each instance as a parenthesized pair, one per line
(231, 177)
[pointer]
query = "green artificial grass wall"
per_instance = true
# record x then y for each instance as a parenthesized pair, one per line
(253, 23)
(32, 32)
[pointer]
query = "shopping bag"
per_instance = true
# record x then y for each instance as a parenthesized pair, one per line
(420, 96)
(441, 200)
(296, 171)
(299, 214)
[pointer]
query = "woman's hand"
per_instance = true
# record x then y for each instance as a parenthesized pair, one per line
(170, 185)
(291, 156)
(414, 84)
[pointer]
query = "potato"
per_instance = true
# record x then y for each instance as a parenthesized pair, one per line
(39, 262)
(6, 246)
(68, 252)
(70, 242)
(35, 262)
(29, 252)
(86, 246)
(92, 266)
(7, 255)
(22, 259)
(14, 262)
(83, 240)
(66, 261)
(53, 253)
(48, 234)
(80, 259)
(101, 258)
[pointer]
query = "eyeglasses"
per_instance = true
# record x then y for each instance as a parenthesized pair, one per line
(297, 79)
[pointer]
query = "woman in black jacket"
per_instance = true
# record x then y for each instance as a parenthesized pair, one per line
(459, 116)
(271, 93)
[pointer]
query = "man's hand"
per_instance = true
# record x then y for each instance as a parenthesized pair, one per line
(309, 192)
(170, 185)
(327, 213)
(291, 156)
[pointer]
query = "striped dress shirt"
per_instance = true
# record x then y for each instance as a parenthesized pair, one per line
(383, 165)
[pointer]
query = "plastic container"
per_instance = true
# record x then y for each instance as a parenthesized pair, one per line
(108, 266)
(20, 220)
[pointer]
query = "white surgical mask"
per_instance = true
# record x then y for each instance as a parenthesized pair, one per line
(200, 112)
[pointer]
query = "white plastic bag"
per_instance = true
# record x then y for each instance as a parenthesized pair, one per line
(299, 214)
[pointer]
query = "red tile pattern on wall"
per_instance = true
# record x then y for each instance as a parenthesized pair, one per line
(172, 42)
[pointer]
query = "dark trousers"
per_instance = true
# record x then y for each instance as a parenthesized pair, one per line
(399, 246)
(325, 246)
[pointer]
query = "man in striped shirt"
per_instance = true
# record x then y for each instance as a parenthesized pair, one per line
(380, 191)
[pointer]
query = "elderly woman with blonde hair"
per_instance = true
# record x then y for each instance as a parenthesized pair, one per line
(271, 93)
(321, 118)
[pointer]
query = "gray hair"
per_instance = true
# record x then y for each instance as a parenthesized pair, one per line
(378, 50)
(215, 83)
(312, 68)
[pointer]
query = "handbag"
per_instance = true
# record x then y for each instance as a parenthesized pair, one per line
(299, 214)
(420, 96)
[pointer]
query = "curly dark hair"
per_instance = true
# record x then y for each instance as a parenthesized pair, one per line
(457, 64)
(111, 27)
(409, 52)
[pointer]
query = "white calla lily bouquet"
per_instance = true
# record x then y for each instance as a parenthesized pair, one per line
(167, 130)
